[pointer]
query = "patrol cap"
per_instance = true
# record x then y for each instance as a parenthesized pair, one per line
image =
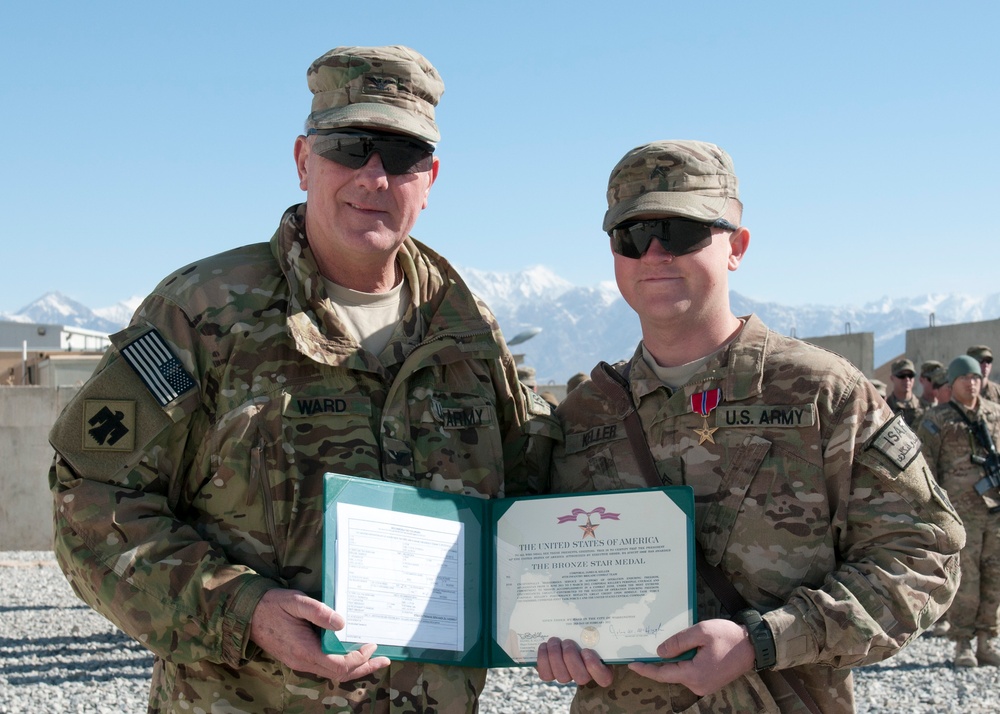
(526, 375)
(963, 365)
(879, 387)
(902, 366)
(575, 381)
(690, 179)
(939, 378)
(392, 88)
(930, 367)
(980, 353)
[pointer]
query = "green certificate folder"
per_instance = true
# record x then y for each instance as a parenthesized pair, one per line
(453, 579)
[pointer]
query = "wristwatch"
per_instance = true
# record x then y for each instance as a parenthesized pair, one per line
(761, 637)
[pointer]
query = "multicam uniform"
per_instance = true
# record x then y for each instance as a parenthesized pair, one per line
(811, 497)
(174, 524)
(948, 445)
(911, 409)
(990, 390)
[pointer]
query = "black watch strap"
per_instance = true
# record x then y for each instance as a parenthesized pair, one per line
(761, 637)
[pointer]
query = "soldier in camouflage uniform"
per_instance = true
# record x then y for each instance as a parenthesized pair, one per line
(927, 370)
(188, 476)
(810, 495)
(948, 443)
(902, 400)
(984, 355)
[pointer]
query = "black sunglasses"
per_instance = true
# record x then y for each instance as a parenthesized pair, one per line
(677, 235)
(399, 154)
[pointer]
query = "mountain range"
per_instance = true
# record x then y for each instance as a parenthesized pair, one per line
(582, 325)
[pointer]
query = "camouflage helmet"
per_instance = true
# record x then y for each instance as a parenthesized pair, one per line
(392, 88)
(690, 179)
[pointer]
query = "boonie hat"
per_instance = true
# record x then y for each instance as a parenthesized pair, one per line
(963, 365)
(392, 88)
(689, 179)
(980, 352)
(901, 366)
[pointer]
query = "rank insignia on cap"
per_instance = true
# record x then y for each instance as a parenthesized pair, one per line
(161, 372)
(108, 425)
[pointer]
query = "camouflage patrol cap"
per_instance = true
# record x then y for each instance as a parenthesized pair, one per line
(880, 387)
(392, 88)
(980, 352)
(939, 377)
(527, 375)
(930, 367)
(901, 366)
(963, 365)
(690, 179)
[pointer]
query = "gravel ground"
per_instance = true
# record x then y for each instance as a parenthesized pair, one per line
(57, 655)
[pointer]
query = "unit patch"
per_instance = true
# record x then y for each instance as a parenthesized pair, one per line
(767, 416)
(896, 441)
(108, 425)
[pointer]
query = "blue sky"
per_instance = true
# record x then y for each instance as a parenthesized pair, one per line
(138, 137)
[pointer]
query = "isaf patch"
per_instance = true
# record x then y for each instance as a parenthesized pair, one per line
(896, 441)
(108, 425)
(154, 363)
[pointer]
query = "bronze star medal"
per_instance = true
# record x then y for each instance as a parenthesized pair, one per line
(704, 403)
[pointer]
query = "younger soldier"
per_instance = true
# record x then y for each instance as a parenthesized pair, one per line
(954, 450)
(927, 370)
(810, 495)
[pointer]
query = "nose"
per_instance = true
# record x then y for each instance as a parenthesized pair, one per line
(657, 253)
(372, 175)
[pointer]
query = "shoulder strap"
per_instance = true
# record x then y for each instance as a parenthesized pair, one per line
(616, 388)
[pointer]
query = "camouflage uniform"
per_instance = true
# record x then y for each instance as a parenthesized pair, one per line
(911, 409)
(948, 444)
(219, 497)
(800, 499)
(990, 390)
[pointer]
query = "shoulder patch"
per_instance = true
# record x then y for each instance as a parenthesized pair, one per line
(162, 373)
(896, 441)
(930, 426)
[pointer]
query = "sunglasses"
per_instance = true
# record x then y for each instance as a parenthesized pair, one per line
(677, 235)
(399, 154)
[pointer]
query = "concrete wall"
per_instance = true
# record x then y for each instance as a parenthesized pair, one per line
(857, 348)
(26, 415)
(947, 342)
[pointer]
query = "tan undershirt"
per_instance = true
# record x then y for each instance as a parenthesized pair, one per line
(677, 377)
(370, 317)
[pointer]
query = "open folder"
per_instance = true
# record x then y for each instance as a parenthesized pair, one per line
(454, 579)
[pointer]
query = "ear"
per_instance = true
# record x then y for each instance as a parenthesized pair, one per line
(435, 165)
(301, 152)
(739, 242)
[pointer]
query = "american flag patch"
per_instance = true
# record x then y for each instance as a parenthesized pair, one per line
(161, 372)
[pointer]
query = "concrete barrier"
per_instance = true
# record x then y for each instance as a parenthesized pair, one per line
(26, 416)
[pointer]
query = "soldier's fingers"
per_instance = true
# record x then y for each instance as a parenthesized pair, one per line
(542, 665)
(601, 673)
(560, 672)
(300, 605)
(358, 663)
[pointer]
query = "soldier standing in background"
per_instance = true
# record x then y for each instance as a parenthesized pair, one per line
(343, 345)
(984, 355)
(830, 526)
(950, 443)
(901, 399)
(927, 370)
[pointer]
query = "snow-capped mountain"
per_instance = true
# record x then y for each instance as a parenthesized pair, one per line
(581, 325)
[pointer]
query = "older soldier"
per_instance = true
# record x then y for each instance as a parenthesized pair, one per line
(902, 399)
(927, 370)
(830, 526)
(342, 345)
(955, 439)
(984, 355)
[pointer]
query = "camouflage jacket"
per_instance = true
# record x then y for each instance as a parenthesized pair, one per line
(948, 445)
(809, 494)
(175, 514)
(911, 409)
(990, 390)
